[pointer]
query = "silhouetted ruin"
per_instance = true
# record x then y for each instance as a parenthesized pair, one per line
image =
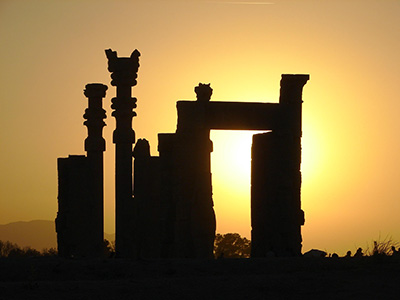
(80, 222)
(164, 206)
(123, 73)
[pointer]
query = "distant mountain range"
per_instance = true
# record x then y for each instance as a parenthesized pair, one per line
(38, 234)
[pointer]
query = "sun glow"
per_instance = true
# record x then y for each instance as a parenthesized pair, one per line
(232, 154)
(310, 153)
(231, 175)
(231, 169)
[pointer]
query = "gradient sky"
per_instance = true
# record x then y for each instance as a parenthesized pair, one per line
(351, 143)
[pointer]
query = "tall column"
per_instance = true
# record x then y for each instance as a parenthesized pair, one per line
(95, 145)
(276, 214)
(124, 74)
(290, 131)
(289, 136)
(195, 218)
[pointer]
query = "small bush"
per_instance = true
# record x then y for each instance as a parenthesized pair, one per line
(49, 252)
(382, 247)
(8, 249)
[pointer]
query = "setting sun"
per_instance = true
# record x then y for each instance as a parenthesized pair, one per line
(231, 169)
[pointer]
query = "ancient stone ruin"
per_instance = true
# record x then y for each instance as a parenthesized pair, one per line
(164, 204)
(79, 222)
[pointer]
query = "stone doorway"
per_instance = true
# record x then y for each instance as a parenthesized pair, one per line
(183, 202)
(231, 180)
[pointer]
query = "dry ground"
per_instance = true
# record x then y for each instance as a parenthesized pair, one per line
(283, 278)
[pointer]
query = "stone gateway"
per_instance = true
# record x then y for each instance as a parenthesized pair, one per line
(166, 210)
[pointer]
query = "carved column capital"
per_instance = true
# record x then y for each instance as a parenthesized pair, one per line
(203, 92)
(95, 90)
(94, 116)
(124, 69)
(123, 73)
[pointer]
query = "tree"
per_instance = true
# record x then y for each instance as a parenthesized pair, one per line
(231, 245)
(5, 248)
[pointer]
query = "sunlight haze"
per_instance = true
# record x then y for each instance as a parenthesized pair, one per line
(351, 142)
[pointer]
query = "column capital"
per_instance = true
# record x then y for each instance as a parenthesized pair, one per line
(94, 115)
(95, 90)
(203, 92)
(124, 69)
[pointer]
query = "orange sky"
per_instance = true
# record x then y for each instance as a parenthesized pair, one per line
(351, 165)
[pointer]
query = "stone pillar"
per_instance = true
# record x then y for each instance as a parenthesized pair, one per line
(95, 145)
(291, 100)
(276, 179)
(167, 148)
(147, 201)
(290, 133)
(74, 223)
(195, 218)
(273, 205)
(124, 74)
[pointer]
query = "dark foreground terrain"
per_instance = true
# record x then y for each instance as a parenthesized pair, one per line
(289, 278)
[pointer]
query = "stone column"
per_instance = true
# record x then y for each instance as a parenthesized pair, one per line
(276, 214)
(289, 139)
(95, 145)
(195, 218)
(291, 99)
(124, 74)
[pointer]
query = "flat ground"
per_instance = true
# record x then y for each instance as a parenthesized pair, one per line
(283, 278)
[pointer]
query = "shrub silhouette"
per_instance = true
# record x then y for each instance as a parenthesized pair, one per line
(5, 248)
(49, 252)
(8, 249)
(383, 247)
(231, 245)
(109, 248)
